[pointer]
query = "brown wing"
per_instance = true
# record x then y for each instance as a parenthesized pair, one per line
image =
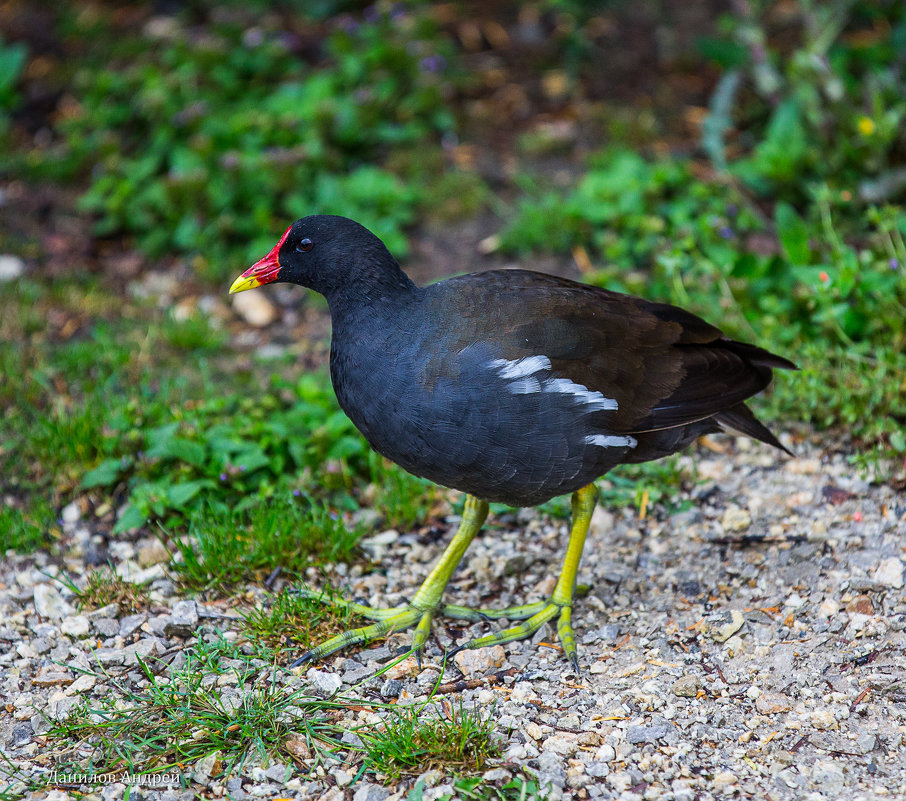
(664, 366)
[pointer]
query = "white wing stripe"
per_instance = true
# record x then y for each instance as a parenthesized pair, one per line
(611, 441)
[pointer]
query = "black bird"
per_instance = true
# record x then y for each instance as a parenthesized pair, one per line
(511, 386)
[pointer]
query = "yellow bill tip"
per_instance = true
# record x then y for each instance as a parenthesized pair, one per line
(244, 282)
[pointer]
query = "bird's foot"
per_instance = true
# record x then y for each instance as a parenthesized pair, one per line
(387, 621)
(533, 617)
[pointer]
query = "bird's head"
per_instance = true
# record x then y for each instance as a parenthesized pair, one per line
(325, 253)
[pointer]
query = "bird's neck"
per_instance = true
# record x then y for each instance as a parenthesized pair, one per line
(373, 297)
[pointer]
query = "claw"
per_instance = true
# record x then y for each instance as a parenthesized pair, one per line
(306, 657)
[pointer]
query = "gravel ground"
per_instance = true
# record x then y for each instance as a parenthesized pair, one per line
(751, 646)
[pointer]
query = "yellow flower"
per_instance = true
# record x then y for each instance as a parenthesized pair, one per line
(866, 126)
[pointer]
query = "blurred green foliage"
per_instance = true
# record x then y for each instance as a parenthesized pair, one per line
(208, 140)
(12, 64)
(821, 101)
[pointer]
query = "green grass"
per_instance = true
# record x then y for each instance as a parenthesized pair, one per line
(105, 587)
(227, 547)
(174, 721)
(26, 530)
(412, 741)
(287, 624)
(175, 717)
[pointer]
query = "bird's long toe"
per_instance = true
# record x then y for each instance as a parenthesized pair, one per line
(362, 610)
(392, 620)
(535, 616)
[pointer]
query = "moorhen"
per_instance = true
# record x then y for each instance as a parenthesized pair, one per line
(511, 386)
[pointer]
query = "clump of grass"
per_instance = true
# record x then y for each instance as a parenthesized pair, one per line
(226, 547)
(289, 623)
(106, 587)
(413, 742)
(177, 721)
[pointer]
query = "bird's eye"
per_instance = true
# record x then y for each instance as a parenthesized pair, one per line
(305, 245)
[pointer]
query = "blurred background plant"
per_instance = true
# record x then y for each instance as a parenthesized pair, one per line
(749, 164)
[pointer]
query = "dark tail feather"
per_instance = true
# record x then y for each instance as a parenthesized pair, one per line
(740, 418)
(759, 356)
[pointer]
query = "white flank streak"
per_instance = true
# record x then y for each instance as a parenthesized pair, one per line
(593, 399)
(524, 386)
(520, 368)
(610, 441)
(519, 372)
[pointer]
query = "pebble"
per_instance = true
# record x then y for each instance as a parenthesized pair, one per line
(204, 767)
(890, 573)
(76, 626)
(861, 604)
(632, 734)
(687, 686)
(325, 683)
(131, 623)
(824, 719)
(562, 743)
(533, 730)
(151, 553)
(724, 780)
(646, 734)
(71, 514)
(255, 308)
(106, 626)
(406, 669)
(378, 545)
(496, 775)
(725, 625)
(475, 662)
(342, 778)
(370, 792)
(50, 677)
(11, 267)
(772, 703)
(183, 620)
(829, 777)
(735, 519)
(49, 603)
(829, 607)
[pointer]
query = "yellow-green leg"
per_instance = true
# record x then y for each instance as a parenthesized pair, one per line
(535, 615)
(423, 607)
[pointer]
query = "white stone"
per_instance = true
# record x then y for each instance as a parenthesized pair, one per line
(75, 626)
(479, 661)
(255, 308)
(11, 267)
(736, 519)
(890, 573)
(327, 683)
(49, 603)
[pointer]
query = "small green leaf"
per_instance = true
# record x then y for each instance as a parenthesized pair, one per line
(178, 448)
(180, 494)
(130, 518)
(105, 474)
(793, 234)
(898, 441)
